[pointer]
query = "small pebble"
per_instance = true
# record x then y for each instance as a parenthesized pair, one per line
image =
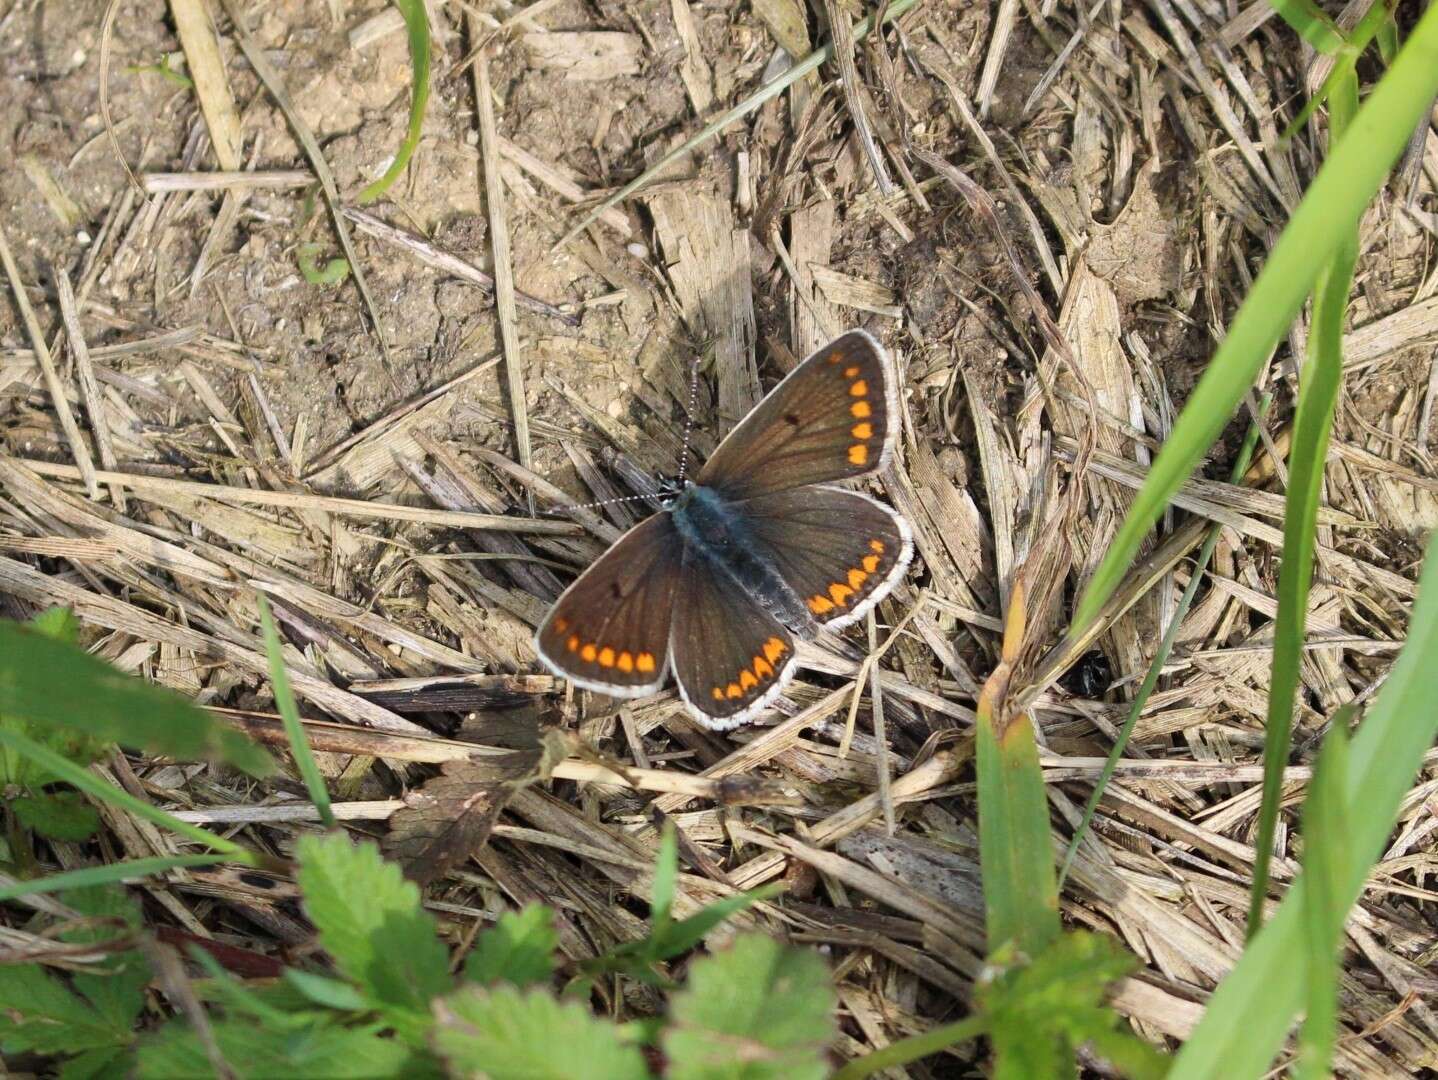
(639, 251)
(83, 237)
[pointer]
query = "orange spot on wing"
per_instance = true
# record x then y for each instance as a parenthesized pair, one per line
(820, 605)
(840, 593)
(606, 657)
(835, 356)
(747, 680)
(560, 625)
(871, 563)
(850, 372)
(644, 662)
(718, 693)
(858, 454)
(733, 690)
(762, 667)
(876, 546)
(573, 643)
(773, 649)
(856, 578)
(862, 431)
(625, 662)
(589, 653)
(858, 388)
(860, 410)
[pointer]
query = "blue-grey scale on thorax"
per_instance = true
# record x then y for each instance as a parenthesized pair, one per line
(714, 529)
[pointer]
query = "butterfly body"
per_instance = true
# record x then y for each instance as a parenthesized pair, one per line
(716, 532)
(759, 549)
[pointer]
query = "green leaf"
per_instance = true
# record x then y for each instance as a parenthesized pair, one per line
(38, 1014)
(1329, 211)
(332, 273)
(1319, 383)
(1250, 1013)
(331, 993)
(371, 922)
(666, 877)
(683, 935)
(505, 1034)
(1020, 890)
(116, 985)
(1040, 1012)
(58, 623)
(101, 1062)
(1313, 23)
(61, 815)
(518, 949)
(754, 1011)
(176, 1053)
(105, 874)
(417, 30)
(60, 686)
(1325, 852)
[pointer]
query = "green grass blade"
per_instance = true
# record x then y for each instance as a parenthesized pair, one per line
(913, 1048)
(767, 92)
(1315, 26)
(416, 25)
(1021, 900)
(1325, 843)
(65, 769)
(290, 713)
(106, 874)
(1165, 649)
(1319, 383)
(1325, 217)
(1251, 1011)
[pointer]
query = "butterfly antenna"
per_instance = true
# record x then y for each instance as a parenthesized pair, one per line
(595, 505)
(689, 418)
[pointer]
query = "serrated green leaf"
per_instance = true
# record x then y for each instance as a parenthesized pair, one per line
(61, 687)
(38, 1013)
(60, 815)
(518, 949)
(754, 1011)
(102, 1062)
(504, 1034)
(176, 1053)
(116, 985)
(371, 922)
(1041, 1011)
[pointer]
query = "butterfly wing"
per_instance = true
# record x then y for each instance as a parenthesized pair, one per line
(840, 551)
(731, 657)
(610, 630)
(835, 417)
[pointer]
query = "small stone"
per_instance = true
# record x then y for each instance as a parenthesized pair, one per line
(615, 409)
(83, 237)
(639, 251)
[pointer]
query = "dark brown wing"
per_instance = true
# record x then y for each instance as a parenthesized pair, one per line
(835, 417)
(840, 551)
(731, 657)
(610, 630)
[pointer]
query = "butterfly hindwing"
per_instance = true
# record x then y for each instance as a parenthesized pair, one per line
(731, 657)
(610, 630)
(834, 417)
(840, 551)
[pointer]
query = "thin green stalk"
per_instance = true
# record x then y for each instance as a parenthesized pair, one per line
(1165, 649)
(105, 874)
(290, 714)
(65, 769)
(913, 1048)
(1328, 212)
(1319, 384)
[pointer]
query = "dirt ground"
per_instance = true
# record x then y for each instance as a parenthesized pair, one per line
(1138, 179)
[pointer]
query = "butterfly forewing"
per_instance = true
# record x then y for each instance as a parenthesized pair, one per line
(833, 418)
(731, 657)
(610, 630)
(840, 551)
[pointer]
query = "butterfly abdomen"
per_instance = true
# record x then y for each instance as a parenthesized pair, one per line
(715, 530)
